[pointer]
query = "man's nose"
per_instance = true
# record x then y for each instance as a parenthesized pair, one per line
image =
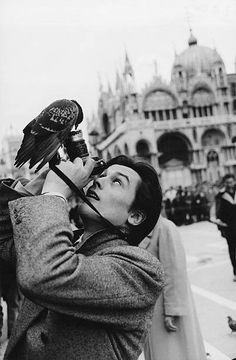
(99, 182)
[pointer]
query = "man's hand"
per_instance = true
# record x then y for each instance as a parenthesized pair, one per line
(169, 323)
(78, 173)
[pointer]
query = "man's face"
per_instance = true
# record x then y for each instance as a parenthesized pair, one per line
(112, 193)
(229, 184)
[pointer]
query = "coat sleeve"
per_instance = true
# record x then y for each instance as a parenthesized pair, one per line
(103, 288)
(172, 256)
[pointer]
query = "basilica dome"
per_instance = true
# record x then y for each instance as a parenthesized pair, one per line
(197, 59)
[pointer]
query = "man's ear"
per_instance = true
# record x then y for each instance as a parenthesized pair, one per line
(136, 217)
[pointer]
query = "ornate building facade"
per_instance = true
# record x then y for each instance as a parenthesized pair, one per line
(186, 128)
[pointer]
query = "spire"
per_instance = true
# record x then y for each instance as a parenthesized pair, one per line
(100, 84)
(109, 90)
(118, 81)
(128, 70)
(192, 40)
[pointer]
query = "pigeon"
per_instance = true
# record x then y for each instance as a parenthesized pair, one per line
(47, 132)
(232, 324)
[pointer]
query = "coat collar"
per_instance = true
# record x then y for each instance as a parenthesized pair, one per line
(98, 241)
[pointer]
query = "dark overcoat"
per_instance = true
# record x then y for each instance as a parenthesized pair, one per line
(90, 302)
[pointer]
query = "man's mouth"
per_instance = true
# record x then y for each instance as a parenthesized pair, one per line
(92, 194)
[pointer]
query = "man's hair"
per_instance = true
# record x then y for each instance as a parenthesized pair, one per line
(148, 197)
(228, 176)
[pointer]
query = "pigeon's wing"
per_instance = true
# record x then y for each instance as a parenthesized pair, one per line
(46, 148)
(26, 149)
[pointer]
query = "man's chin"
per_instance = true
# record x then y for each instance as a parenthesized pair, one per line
(86, 211)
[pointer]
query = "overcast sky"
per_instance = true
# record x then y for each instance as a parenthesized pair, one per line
(53, 49)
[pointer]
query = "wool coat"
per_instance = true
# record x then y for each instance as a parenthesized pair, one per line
(176, 300)
(87, 302)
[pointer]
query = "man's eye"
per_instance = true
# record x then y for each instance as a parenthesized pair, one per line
(101, 175)
(116, 180)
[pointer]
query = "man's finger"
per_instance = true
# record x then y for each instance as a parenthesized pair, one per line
(170, 325)
(78, 161)
(89, 165)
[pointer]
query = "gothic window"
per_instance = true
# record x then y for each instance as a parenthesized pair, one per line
(195, 134)
(160, 114)
(154, 115)
(234, 106)
(146, 114)
(142, 148)
(126, 149)
(106, 124)
(117, 151)
(174, 113)
(185, 109)
(108, 156)
(233, 89)
(226, 107)
(167, 115)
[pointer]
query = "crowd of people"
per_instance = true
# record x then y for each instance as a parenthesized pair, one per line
(190, 204)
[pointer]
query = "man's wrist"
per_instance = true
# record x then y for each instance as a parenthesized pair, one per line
(53, 193)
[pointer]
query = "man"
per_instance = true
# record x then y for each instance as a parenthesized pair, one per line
(93, 299)
(226, 212)
(175, 332)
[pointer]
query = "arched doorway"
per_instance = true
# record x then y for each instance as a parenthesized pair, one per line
(143, 151)
(175, 156)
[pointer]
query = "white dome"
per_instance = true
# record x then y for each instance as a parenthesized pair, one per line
(197, 59)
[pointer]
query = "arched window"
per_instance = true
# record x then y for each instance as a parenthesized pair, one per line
(106, 124)
(143, 151)
(108, 156)
(126, 149)
(117, 151)
(142, 148)
(213, 137)
(234, 106)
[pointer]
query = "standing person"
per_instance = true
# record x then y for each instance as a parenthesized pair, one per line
(226, 212)
(8, 284)
(10, 293)
(92, 299)
(178, 205)
(175, 332)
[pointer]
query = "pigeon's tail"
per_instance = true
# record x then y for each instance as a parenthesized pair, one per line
(45, 150)
(26, 150)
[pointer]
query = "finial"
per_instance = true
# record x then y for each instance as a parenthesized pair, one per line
(192, 40)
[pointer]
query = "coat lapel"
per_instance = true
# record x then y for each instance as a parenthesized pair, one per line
(232, 200)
